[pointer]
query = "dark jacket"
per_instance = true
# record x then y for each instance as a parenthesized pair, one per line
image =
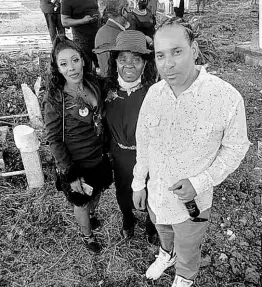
(106, 35)
(122, 115)
(80, 143)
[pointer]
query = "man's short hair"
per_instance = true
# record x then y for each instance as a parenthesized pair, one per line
(169, 22)
(115, 7)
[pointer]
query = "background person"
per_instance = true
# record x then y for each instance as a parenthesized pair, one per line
(187, 5)
(51, 10)
(83, 17)
(191, 134)
(116, 12)
(73, 121)
(131, 73)
(179, 8)
(144, 20)
(152, 6)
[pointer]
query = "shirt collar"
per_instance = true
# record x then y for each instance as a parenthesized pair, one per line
(198, 81)
(119, 25)
(194, 86)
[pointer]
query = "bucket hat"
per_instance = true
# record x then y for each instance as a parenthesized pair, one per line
(128, 40)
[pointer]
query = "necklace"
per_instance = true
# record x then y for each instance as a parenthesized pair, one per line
(76, 90)
(78, 94)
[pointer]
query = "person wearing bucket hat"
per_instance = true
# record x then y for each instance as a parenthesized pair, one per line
(131, 72)
(74, 131)
(117, 14)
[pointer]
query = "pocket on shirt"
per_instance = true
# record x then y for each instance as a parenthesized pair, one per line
(153, 124)
(208, 131)
(204, 128)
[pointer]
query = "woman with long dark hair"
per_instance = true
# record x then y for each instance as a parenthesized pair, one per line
(131, 72)
(73, 120)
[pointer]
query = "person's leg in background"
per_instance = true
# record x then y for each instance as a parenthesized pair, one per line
(151, 231)
(51, 25)
(81, 40)
(83, 44)
(59, 27)
(87, 43)
(179, 11)
(91, 46)
(186, 5)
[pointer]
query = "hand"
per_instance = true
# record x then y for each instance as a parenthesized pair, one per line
(76, 186)
(149, 41)
(88, 19)
(184, 189)
(96, 16)
(87, 189)
(139, 199)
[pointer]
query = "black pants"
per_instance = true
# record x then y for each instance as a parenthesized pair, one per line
(179, 11)
(124, 162)
(87, 42)
(54, 25)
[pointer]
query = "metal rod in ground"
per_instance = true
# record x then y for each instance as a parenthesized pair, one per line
(11, 173)
(13, 116)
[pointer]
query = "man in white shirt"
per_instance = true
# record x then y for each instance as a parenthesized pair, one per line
(191, 134)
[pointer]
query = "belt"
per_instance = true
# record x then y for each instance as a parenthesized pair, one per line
(132, 147)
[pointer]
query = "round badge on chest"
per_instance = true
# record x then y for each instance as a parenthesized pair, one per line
(84, 112)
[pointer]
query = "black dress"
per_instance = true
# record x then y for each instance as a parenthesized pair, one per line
(77, 148)
(122, 115)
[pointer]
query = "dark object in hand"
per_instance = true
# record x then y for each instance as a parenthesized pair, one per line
(192, 208)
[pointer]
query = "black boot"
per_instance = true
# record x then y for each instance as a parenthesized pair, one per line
(151, 231)
(128, 228)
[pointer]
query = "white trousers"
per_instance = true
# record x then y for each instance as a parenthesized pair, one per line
(187, 4)
(176, 3)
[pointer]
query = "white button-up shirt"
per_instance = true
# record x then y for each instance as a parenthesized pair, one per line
(201, 135)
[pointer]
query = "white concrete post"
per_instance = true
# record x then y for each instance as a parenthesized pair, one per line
(33, 107)
(260, 24)
(28, 144)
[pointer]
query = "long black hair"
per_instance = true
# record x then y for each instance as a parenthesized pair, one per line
(148, 76)
(57, 81)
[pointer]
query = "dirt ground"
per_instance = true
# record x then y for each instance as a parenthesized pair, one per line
(40, 243)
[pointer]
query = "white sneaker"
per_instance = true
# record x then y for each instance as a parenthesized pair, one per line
(182, 282)
(162, 262)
